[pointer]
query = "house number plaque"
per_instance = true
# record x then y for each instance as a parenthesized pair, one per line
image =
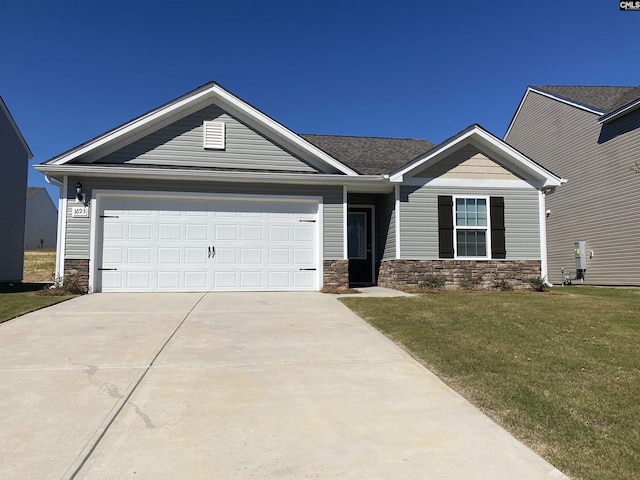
(80, 211)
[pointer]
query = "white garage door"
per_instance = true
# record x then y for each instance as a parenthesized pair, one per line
(160, 244)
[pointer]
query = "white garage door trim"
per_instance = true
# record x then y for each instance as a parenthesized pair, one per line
(99, 202)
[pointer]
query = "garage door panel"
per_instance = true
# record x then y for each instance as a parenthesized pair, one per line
(196, 232)
(225, 256)
(197, 256)
(279, 233)
(251, 233)
(279, 256)
(138, 280)
(195, 280)
(226, 232)
(168, 280)
(169, 231)
(255, 245)
(169, 255)
(250, 280)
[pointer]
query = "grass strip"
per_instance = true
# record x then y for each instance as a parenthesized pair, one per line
(560, 371)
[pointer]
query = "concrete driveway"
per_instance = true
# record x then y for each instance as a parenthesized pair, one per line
(232, 386)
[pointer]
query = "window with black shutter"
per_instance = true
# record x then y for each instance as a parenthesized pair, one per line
(471, 227)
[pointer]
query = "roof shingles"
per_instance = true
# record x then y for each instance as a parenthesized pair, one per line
(370, 155)
(602, 98)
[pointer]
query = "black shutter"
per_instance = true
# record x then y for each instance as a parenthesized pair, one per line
(445, 226)
(497, 227)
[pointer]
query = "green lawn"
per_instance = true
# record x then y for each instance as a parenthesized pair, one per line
(18, 299)
(560, 371)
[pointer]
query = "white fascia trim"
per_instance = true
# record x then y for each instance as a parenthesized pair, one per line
(397, 207)
(542, 212)
(481, 138)
(282, 130)
(110, 171)
(345, 214)
(618, 113)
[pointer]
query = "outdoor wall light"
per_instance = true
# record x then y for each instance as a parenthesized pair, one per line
(79, 194)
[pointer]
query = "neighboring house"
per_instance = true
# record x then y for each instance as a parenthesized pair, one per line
(41, 221)
(14, 164)
(592, 136)
(208, 193)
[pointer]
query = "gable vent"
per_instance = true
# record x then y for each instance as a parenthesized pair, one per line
(213, 135)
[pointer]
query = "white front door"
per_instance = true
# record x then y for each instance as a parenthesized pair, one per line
(202, 244)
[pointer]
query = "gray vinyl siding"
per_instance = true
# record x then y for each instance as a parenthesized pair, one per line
(13, 185)
(419, 220)
(78, 229)
(599, 204)
(181, 144)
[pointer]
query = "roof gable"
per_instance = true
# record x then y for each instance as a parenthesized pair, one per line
(208, 94)
(180, 145)
(494, 148)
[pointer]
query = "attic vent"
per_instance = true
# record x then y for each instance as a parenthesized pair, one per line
(213, 135)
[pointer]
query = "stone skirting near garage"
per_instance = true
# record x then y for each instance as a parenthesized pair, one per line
(79, 267)
(401, 273)
(335, 273)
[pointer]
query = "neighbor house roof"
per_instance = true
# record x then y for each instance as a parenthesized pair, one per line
(370, 155)
(608, 102)
(600, 98)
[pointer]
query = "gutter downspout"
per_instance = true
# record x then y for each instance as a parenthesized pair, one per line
(543, 237)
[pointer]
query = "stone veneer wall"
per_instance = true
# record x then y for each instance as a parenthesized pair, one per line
(400, 273)
(79, 267)
(336, 273)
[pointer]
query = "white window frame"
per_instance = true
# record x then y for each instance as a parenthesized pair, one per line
(216, 142)
(487, 229)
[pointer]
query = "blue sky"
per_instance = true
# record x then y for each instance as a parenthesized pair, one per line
(71, 70)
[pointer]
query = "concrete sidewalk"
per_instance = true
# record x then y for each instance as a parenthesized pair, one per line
(232, 385)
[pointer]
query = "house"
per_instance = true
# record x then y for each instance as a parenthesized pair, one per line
(592, 136)
(14, 163)
(41, 221)
(208, 193)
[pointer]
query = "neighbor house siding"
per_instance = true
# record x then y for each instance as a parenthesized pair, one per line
(181, 144)
(13, 185)
(78, 229)
(419, 220)
(599, 204)
(387, 226)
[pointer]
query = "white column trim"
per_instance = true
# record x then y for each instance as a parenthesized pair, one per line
(543, 235)
(62, 228)
(345, 213)
(397, 208)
